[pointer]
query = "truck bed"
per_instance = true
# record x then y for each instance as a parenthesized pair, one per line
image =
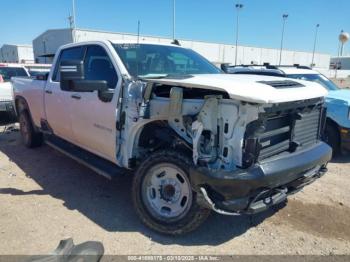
(33, 91)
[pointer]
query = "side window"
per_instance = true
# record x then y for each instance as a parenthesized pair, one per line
(98, 66)
(74, 53)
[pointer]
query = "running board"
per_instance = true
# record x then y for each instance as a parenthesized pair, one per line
(99, 165)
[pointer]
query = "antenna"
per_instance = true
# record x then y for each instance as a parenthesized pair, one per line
(174, 18)
(138, 31)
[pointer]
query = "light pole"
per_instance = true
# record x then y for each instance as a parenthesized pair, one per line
(174, 18)
(238, 8)
(313, 52)
(73, 21)
(284, 16)
(44, 46)
(138, 31)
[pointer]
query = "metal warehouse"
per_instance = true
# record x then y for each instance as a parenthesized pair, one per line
(46, 44)
(16, 54)
(341, 62)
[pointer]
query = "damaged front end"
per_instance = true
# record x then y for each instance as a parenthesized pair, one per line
(282, 152)
(207, 122)
(246, 156)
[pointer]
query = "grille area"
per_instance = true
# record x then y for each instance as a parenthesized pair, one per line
(306, 130)
(286, 127)
(276, 137)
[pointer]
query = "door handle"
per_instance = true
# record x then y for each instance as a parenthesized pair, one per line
(76, 96)
(48, 92)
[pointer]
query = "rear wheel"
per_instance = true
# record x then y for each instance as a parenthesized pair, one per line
(30, 137)
(332, 138)
(163, 197)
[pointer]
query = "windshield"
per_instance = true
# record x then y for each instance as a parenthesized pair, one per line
(147, 60)
(8, 72)
(321, 79)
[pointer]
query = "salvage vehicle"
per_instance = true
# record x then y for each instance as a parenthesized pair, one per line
(195, 139)
(337, 131)
(8, 70)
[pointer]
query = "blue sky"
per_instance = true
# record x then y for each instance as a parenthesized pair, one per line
(207, 20)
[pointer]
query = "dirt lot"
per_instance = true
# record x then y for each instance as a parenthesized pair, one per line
(46, 197)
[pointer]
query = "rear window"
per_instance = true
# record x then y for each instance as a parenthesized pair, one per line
(8, 72)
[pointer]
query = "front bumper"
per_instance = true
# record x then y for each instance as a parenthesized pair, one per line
(252, 190)
(6, 106)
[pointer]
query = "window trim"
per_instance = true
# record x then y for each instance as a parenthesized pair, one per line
(85, 46)
(55, 72)
(110, 59)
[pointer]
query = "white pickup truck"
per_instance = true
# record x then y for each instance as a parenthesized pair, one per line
(195, 139)
(6, 72)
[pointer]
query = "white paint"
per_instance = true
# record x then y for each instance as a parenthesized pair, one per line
(247, 88)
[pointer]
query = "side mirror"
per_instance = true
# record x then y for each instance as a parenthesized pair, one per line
(104, 94)
(89, 85)
(71, 71)
(224, 67)
(72, 78)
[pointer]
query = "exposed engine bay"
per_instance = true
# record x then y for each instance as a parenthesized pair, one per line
(206, 122)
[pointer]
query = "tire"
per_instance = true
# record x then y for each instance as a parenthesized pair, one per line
(332, 138)
(30, 137)
(13, 116)
(163, 197)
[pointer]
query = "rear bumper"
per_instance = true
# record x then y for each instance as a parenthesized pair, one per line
(268, 183)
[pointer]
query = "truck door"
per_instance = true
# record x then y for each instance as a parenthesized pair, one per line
(93, 118)
(57, 101)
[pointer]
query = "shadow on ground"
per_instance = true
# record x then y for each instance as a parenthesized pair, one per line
(107, 203)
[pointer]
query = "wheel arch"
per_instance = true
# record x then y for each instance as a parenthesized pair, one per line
(332, 122)
(157, 135)
(22, 105)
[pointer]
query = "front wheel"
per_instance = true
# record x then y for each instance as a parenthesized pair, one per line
(163, 197)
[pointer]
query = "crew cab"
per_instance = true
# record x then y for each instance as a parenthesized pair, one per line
(194, 139)
(337, 131)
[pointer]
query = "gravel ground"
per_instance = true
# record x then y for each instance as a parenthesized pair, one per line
(46, 197)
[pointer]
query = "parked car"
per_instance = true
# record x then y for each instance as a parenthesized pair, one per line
(337, 132)
(9, 70)
(6, 72)
(194, 139)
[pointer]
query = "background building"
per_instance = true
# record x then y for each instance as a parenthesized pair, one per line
(16, 54)
(46, 44)
(341, 62)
